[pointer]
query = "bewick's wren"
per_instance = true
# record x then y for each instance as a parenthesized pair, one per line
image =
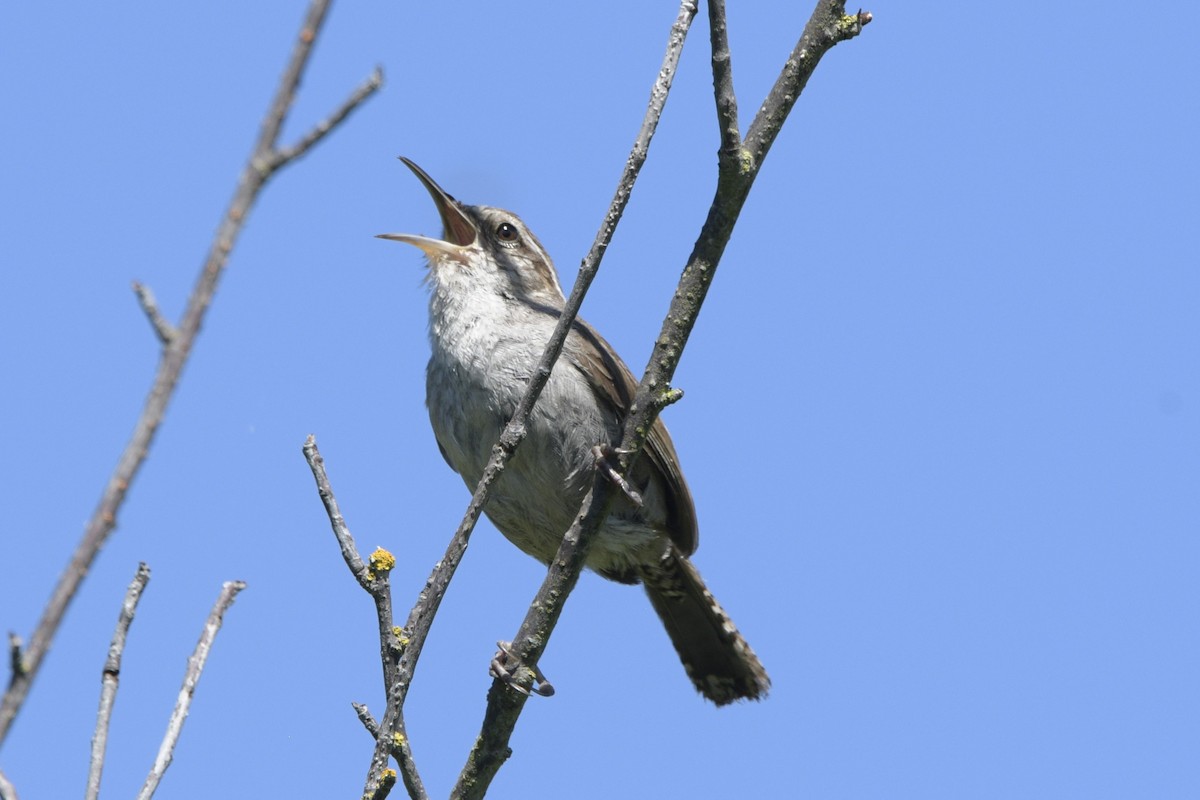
(494, 302)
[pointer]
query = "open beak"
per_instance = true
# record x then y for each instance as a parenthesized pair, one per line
(457, 229)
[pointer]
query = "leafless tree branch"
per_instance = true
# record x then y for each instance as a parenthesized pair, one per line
(162, 327)
(191, 677)
(322, 128)
(264, 162)
(391, 736)
(828, 26)
(110, 677)
(722, 70)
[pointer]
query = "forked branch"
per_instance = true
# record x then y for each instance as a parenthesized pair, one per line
(264, 162)
(738, 165)
(390, 734)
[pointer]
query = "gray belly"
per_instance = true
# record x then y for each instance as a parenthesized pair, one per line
(536, 498)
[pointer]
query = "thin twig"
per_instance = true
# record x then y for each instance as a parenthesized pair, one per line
(319, 131)
(391, 736)
(827, 26)
(191, 677)
(110, 677)
(354, 561)
(734, 179)
(263, 163)
(163, 329)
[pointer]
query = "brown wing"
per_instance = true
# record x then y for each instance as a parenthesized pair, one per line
(614, 385)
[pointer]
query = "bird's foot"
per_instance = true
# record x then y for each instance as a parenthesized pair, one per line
(505, 665)
(603, 454)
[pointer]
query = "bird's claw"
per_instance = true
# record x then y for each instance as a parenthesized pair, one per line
(602, 454)
(504, 667)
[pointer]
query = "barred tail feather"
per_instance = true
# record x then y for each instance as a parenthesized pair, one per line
(716, 657)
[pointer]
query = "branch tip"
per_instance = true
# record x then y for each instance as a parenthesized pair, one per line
(318, 132)
(668, 397)
(191, 677)
(164, 330)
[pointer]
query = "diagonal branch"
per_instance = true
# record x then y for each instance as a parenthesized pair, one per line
(504, 706)
(828, 25)
(263, 163)
(191, 677)
(163, 329)
(110, 677)
(322, 128)
(734, 180)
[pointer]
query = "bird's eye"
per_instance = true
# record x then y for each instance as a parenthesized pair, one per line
(507, 232)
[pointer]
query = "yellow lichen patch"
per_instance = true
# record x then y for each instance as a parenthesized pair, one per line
(745, 161)
(382, 561)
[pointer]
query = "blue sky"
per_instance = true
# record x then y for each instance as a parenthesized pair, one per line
(942, 413)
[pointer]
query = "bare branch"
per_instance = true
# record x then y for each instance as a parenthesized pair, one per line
(504, 705)
(368, 721)
(285, 94)
(191, 677)
(162, 328)
(110, 677)
(722, 69)
(262, 164)
(354, 561)
(828, 25)
(391, 736)
(319, 131)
